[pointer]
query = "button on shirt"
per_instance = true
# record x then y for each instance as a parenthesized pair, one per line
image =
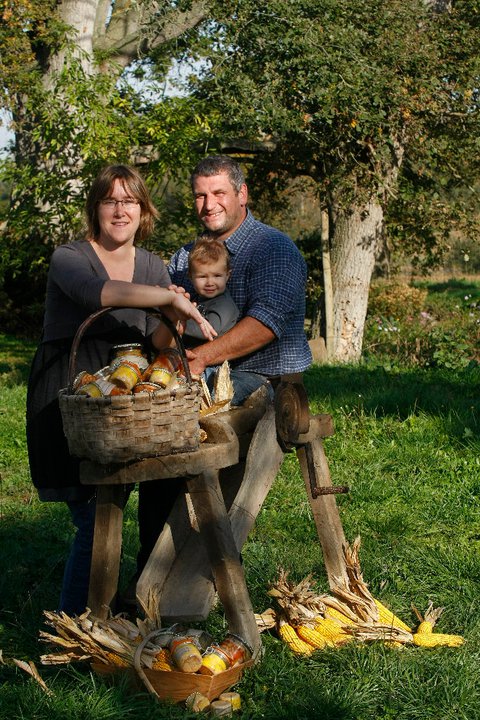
(267, 282)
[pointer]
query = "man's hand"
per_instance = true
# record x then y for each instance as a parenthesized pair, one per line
(244, 338)
(196, 364)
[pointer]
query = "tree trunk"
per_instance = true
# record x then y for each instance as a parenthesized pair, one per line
(327, 283)
(81, 16)
(356, 239)
(356, 236)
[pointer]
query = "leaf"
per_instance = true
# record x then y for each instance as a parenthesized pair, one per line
(33, 672)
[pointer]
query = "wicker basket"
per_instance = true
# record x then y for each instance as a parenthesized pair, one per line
(177, 686)
(121, 428)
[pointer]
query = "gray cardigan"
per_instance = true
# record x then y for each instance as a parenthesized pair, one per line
(75, 280)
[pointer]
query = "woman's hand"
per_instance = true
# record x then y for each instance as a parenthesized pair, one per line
(185, 309)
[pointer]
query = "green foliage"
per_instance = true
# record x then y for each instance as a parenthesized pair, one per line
(393, 299)
(26, 27)
(87, 117)
(427, 326)
(345, 92)
(310, 247)
(348, 93)
(464, 256)
(68, 124)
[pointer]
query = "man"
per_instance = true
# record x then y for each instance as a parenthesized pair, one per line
(268, 286)
(267, 282)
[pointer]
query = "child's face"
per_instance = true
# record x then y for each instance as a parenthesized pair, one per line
(209, 279)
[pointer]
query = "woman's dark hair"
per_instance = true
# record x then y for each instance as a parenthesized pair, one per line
(134, 184)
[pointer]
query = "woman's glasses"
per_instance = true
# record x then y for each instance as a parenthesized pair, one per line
(127, 203)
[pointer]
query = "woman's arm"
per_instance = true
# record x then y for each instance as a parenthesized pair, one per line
(118, 293)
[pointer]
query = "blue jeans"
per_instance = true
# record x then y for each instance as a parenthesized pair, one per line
(244, 383)
(76, 577)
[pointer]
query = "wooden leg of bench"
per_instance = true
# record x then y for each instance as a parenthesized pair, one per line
(216, 532)
(316, 473)
(262, 465)
(107, 544)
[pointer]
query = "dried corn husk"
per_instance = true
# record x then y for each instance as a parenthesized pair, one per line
(298, 601)
(223, 386)
(353, 609)
(266, 620)
(223, 392)
(111, 641)
(31, 669)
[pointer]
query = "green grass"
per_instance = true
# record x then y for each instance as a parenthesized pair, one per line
(406, 443)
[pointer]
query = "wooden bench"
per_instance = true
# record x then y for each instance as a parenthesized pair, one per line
(225, 484)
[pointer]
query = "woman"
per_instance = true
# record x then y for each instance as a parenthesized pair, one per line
(105, 269)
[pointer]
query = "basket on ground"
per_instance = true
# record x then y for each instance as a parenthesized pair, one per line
(121, 428)
(177, 686)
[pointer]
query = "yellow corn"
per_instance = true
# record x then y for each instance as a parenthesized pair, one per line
(312, 637)
(289, 636)
(430, 640)
(163, 661)
(336, 615)
(331, 631)
(116, 660)
(428, 620)
(425, 628)
(386, 617)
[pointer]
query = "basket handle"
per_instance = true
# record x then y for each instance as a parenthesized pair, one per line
(72, 363)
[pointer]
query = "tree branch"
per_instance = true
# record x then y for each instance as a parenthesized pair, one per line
(126, 36)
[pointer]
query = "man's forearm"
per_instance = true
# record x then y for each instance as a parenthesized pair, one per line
(247, 336)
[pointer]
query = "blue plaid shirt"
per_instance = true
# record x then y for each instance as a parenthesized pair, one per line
(267, 283)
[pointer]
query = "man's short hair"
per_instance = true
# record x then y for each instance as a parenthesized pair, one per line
(208, 250)
(216, 164)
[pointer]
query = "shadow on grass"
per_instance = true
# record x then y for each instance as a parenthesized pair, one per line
(454, 288)
(35, 544)
(30, 574)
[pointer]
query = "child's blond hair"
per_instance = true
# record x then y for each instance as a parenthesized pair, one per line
(207, 250)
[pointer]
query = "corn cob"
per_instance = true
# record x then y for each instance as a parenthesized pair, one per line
(311, 636)
(340, 609)
(338, 617)
(386, 617)
(331, 631)
(425, 628)
(367, 632)
(289, 636)
(116, 660)
(429, 619)
(163, 661)
(430, 640)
